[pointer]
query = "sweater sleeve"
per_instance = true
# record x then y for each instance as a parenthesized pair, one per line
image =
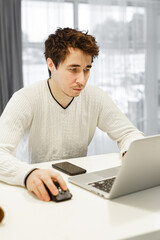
(112, 121)
(14, 121)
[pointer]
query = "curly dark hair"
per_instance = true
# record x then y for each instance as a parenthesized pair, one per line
(57, 45)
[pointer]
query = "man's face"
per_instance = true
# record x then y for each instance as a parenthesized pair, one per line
(72, 75)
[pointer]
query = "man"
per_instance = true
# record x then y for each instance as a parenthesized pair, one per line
(56, 118)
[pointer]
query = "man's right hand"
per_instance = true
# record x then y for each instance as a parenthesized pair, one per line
(36, 180)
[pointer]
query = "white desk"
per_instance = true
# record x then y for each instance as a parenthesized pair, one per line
(85, 217)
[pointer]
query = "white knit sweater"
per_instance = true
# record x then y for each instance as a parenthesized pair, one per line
(44, 131)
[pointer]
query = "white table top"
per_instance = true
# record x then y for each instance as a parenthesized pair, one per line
(87, 216)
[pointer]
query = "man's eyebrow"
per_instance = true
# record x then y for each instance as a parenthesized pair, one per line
(89, 66)
(76, 65)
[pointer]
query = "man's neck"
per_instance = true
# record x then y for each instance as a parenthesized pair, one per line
(59, 96)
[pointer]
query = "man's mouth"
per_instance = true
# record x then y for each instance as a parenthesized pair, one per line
(77, 89)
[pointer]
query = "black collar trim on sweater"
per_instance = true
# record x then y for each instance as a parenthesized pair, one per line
(56, 99)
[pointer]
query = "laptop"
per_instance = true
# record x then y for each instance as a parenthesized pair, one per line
(140, 170)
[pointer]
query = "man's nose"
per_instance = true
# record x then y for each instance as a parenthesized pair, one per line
(81, 79)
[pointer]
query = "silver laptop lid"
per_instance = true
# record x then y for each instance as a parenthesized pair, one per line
(140, 169)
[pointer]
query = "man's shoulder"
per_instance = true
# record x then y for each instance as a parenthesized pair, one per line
(30, 95)
(96, 96)
(92, 91)
(32, 91)
(35, 86)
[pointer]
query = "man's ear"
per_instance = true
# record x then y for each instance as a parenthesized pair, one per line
(50, 64)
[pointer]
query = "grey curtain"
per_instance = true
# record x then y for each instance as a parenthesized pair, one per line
(10, 50)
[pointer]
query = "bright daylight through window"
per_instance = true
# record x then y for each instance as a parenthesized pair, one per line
(121, 32)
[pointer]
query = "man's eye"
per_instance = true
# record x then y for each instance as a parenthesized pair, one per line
(86, 69)
(73, 69)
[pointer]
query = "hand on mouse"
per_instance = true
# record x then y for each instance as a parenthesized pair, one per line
(36, 180)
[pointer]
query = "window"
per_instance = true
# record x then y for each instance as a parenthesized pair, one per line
(127, 65)
(120, 69)
(39, 19)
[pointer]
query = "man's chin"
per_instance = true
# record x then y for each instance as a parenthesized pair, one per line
(75, 93)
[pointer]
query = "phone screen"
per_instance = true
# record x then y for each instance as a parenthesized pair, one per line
(68, 168)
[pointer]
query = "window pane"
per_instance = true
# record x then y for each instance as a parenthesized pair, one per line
(120, 67)
(39, 19)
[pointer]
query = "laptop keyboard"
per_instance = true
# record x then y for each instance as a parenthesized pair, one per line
(104, 185)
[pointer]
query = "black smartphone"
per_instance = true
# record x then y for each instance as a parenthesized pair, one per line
(68, 168)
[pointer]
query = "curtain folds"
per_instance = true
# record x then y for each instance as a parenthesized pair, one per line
(10, 50)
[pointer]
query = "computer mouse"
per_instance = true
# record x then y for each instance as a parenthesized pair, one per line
(62, 195)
